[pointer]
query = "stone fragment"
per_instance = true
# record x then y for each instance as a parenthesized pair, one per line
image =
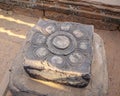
(0, 10)
(9, 12)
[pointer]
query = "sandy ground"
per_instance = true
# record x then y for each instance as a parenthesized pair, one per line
(12, 35)
(112, 47)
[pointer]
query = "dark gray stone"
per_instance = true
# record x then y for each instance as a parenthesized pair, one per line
(65, 47)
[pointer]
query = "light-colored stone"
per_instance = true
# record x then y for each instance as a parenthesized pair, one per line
(78, 33)
(50, 29)
(76, 58)
(0, 10)
(65, 26)
(61, 42)
(41, 52)
(83, 45)
(56, 60)
(9, 12)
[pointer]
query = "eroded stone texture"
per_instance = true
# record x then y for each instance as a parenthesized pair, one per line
(61, 42)
(63, 49)
(58, 61)
(22, 85)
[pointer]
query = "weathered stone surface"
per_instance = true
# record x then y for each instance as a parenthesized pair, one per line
(61, 42)
(20, 82)
(59, 52)
(53, 53)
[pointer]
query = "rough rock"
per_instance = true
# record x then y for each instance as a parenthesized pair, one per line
(60, 52)
(21, 84)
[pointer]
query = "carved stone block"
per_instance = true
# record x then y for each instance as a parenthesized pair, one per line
(60, 52)
(60, 59)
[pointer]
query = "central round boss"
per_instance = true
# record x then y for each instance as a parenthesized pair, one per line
(61, 43)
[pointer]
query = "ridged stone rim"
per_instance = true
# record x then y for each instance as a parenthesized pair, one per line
(61, 51)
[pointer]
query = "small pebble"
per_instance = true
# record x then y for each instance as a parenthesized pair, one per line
(9, 12)
(0, 10)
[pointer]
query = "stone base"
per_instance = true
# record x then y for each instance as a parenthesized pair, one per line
(22, 85)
